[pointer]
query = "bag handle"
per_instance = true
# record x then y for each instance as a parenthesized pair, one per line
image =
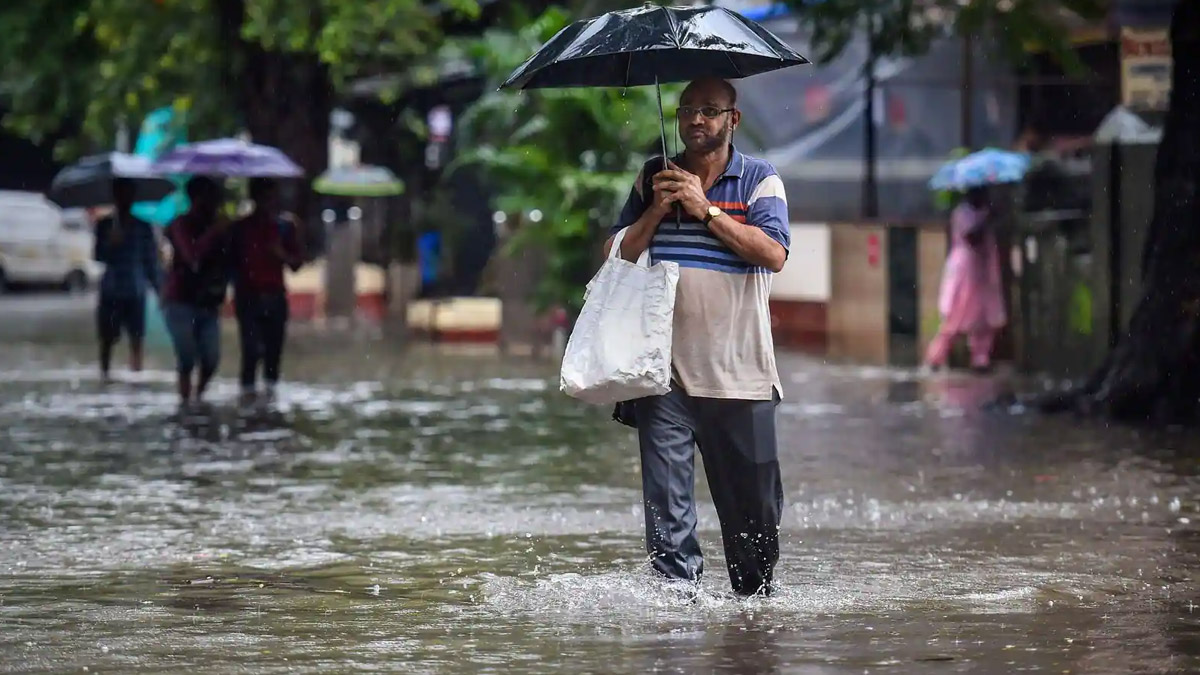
(643, 259)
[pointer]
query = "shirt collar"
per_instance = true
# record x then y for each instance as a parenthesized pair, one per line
(734, 169)
(737, 163)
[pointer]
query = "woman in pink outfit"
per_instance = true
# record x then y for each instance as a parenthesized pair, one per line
(971, 300)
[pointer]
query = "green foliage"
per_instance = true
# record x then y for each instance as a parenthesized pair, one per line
(101, 62)
(908, 27)
(347, 35)
(572, 154)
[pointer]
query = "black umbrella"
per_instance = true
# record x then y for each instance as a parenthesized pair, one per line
(654, 45)
(88, 182)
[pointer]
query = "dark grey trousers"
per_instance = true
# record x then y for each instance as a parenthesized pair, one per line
(738, 446)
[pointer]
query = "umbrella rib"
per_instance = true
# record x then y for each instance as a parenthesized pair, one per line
(674, 27)
(733, 63)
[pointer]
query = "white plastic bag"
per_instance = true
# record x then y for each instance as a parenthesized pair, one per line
(620, 349)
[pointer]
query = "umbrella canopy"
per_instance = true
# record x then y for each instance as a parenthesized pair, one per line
(359, 181)
(654, 45)
(986, 167)
(228, 157)
(88, 182)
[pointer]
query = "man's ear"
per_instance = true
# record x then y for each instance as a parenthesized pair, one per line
(736, 118)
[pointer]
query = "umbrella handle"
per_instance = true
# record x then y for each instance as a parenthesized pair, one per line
(662, 124)
(662, 127)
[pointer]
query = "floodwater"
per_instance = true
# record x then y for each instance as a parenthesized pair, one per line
(453, 513)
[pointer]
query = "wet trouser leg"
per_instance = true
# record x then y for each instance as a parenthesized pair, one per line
(274, 332)
(981, 343)
(208, 345)
(938, 351)
(667, 438)
(738, 444)
(250, 337)
(180, 320)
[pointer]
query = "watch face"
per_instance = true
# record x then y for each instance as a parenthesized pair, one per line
(714, 211)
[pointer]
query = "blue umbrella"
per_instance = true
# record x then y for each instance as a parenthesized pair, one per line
(986, 167)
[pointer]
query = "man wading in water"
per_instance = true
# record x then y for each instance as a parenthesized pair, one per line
(733, 236)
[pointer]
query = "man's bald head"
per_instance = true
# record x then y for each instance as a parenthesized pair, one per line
(711, 90)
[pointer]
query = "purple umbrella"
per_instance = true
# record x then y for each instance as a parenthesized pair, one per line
(228, 157)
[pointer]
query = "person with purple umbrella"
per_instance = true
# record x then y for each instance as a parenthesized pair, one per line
(264, 243)
(197, 282)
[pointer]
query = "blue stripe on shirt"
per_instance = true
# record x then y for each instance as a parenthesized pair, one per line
(689, 242)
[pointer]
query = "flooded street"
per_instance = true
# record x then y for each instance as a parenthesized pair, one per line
(453, 513)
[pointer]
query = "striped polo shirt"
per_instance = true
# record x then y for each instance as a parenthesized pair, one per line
(722, 345)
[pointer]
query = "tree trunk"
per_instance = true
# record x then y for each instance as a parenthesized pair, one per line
(1153, 373)
(284, 98)
(289, 101)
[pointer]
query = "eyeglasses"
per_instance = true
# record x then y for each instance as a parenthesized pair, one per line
(708, 111)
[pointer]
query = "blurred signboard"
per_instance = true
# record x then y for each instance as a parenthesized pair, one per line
(440, 122)
(1145, 68)
(343, 152)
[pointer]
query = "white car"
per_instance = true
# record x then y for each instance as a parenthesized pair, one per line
(44, 245)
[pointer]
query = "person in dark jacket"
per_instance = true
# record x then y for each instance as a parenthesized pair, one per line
(129, 251)
(197, 281)
(264, 242)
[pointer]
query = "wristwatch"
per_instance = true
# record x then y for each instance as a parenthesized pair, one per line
(713, 212)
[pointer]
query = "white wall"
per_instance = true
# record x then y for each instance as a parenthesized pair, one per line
(806, 276)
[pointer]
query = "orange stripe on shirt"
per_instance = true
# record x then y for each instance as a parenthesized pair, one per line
(740, 206)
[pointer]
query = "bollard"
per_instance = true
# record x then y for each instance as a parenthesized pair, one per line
(344, 251)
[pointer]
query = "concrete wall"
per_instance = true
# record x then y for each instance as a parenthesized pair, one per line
(831, 299)
(800, 293)
(858, 312)
(807, 273)
(833, 296)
